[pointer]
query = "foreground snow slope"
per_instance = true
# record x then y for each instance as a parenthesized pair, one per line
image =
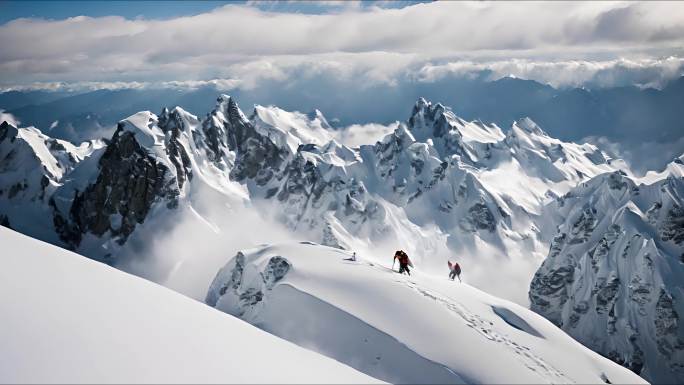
(400, 329)
(68, 319)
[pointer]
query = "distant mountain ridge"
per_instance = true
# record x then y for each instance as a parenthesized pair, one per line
(625, 115)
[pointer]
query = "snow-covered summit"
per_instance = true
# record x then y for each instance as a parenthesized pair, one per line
(290, 129)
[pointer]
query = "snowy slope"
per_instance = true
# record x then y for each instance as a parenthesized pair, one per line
(615, 271)
(67, 319)
(400, 329)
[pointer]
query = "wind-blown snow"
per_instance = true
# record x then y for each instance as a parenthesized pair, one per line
(67, 319)
(290, 129)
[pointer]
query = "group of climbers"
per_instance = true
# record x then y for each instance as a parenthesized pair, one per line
(405, 263)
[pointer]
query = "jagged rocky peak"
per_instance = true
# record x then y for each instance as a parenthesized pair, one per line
(176, 120)
(317, 188)
(218, 133)
(225, 126)
(138, 168)
(429, 119)
(438, 126)
(391, 147)
(7, 131)
(614, 274)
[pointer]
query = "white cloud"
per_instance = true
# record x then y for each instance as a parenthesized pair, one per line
(645, 72)
(370, 69)
(233, 42)
(219, 84)
(642, 156)
(9, 118)
(358, 134)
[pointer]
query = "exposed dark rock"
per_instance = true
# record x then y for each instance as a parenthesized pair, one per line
(673, 226)
(584, 226)
(479, 218)
(4, 221)
(130, 181)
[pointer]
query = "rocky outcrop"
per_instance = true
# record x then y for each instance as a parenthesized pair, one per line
(129, 182)
(241, 290)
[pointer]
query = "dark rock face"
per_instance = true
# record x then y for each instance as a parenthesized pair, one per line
(172, 123)
(276, 270)
(549, 292)
(606, 291)
(302, 178)
(584, 226)
(257, 158)
(226, 129)
(6, 130)
(221, 127)
(666, 325)
(129, 182)
(307, 196)
(673, 227)
(479, 217)
(4, 221)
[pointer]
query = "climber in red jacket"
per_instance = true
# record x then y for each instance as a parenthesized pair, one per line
(404, 262)
(454, 270)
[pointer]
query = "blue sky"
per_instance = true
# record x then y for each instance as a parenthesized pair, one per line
(51, 9)
(10, 10)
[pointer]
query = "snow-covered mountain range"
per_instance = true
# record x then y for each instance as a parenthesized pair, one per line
(500, 201)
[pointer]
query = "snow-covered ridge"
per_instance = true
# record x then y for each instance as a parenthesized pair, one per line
(67, 319)
(418, 329)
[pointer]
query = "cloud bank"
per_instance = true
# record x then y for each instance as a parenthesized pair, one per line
(562, 43)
